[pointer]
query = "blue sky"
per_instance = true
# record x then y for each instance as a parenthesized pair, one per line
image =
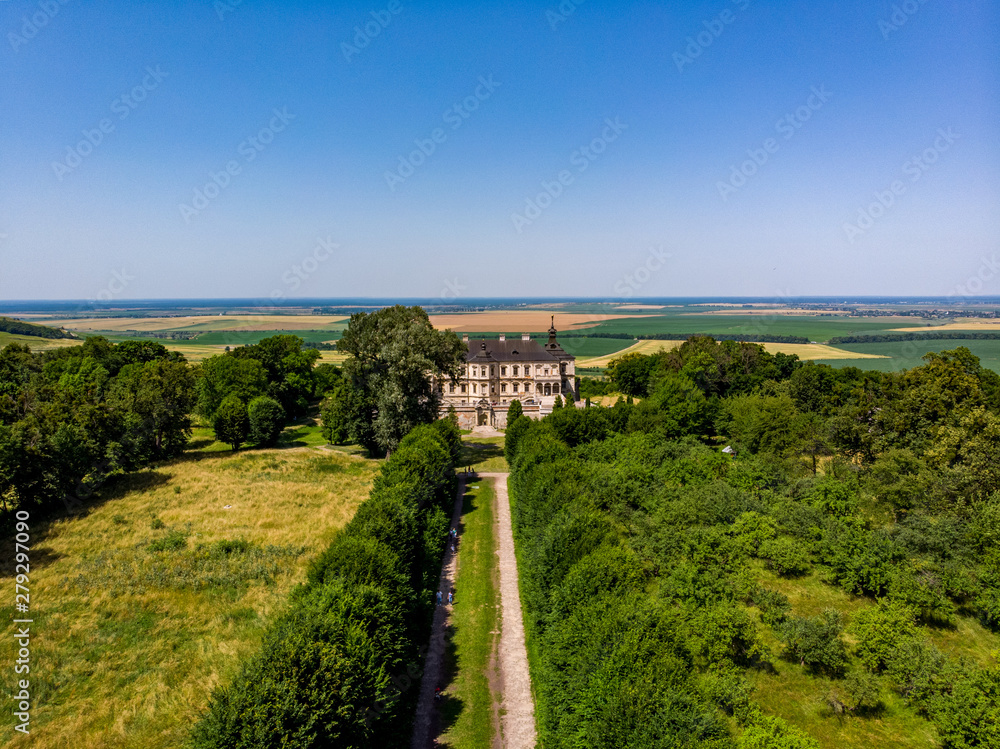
(334, 198)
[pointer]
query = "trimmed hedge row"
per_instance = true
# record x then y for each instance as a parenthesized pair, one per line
(341, 666)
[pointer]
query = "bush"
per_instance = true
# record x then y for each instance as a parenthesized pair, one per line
(864, 692)
(267, 419)
(767, 732)
(880, 631)
(173, 541)
(512, 437)
(816, 643)
(786, 557)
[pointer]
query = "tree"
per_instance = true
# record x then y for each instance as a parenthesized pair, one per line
(880, 630)
(267, 418)
(157, 396)
(393, 354)
(225, 375)
(816, 642)
(630, 374)
(557, 403)
(336, 415)
(513, 411)
(231, 423)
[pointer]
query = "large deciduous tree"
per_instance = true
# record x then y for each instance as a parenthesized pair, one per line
(393, 353)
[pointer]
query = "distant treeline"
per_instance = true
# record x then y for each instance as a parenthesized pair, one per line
(684, 336)
(894, 337)
(18, 327)
(320, 345)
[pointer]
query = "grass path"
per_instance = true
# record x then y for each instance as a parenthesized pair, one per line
(518, 719)
(471, 703)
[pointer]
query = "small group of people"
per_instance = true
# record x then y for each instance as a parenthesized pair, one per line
(451, 597)
(453, 539)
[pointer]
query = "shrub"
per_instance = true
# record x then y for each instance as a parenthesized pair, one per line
(267, 419)
(880, 631)
(774, 606)
(512, 437)
(864, 692)
(816, 643)
(173, 541)
(785, 556)
(768, 732)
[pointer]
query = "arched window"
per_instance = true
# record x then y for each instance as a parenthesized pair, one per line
(538, 388)
(548, 389)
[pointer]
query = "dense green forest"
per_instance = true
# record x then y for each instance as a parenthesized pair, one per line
(651, 560)
(19, 327)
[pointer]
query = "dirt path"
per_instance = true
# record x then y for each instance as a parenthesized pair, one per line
(426, 717)
(518, 722)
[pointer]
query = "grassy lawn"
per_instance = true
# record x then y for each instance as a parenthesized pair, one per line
(139, 610)
(484, 454)
(471, 708)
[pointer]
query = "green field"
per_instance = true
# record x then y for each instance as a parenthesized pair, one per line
(814, 328)
(907, 354)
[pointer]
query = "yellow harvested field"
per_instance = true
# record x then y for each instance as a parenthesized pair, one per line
(962, 324)
(805, 351)
(37, 344)
(644, 306)
(201, 322)
(519, 321)
(758, 311)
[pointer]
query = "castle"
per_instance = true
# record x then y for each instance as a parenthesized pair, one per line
(499, 371)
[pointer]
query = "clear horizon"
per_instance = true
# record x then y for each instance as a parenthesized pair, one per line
(727, 149)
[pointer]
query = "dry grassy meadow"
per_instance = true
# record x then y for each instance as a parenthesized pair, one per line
(144, 603)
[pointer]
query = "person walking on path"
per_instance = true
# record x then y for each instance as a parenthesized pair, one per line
(451, 598)
(439, 598)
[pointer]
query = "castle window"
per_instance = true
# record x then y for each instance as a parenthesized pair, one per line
(503, 371)
(473, 387)
(555, 387)
(503, 387)
(451, 388)
(492, 370)
(546, 371)
(515, 387)
(465, 388)
(515, 370)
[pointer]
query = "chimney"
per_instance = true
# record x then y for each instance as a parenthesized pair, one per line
(465, 337)
(503, 337)
(525, 336)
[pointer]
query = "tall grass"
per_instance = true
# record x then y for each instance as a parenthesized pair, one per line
(149, 600)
